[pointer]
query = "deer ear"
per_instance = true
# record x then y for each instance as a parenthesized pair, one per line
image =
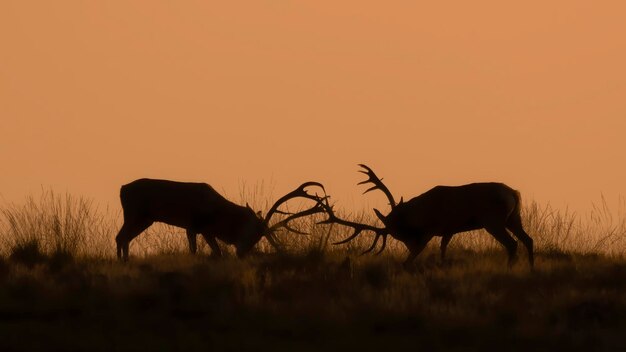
(248, 205)
(401, 200)
(380, 215)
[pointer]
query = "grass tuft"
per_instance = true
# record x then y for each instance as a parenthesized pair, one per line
(28, 253)
(60, 259)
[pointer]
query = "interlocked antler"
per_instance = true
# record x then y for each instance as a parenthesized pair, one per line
(298, 192)
(284, 223)
(378, 184)
(358, 228)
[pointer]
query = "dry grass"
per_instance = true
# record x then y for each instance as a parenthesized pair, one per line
(61, 288)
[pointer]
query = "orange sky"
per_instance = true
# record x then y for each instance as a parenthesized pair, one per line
(94, 94)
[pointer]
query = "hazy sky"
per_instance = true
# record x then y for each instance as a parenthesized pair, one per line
(94, 94)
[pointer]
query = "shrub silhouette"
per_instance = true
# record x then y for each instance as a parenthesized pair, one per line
(28, 253)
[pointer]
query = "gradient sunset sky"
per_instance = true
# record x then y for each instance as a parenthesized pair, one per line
(94, 94)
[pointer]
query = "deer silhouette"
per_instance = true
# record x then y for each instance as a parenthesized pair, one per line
(199, 209)
(444, 211)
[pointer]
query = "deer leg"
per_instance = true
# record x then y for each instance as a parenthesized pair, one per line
(515, 225)
(128, 231)
(215, 247)
(445, 239)
(191, 238)
(502, 236)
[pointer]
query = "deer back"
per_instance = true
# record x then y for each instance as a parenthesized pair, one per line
(452, 209)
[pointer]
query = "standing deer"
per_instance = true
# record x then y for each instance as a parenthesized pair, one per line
(199, 209)
(444, 211)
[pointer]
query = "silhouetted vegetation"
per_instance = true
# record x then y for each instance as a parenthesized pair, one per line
(76, 296)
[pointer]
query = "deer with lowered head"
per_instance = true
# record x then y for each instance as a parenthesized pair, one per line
(444, 211)
(199, 209)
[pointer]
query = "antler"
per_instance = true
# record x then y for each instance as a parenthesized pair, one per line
(298, 192)
(358, 228)
(283, 223)
(378, 184)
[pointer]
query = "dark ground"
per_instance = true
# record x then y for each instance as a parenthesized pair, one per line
(316, 301)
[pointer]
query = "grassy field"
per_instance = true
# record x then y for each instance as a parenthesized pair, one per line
(61, 289)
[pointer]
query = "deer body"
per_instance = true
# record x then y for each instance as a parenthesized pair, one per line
(447, 210)
(199, 209)
(444, 211)
(452, 209)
